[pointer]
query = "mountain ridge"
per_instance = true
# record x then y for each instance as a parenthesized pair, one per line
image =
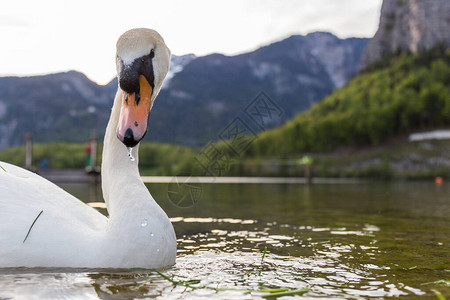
(296, 72)
(409, 26)
(404, 87)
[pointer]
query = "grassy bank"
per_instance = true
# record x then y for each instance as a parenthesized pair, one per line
(396, 159)
(155, 159)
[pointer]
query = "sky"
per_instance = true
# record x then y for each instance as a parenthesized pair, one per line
(49, 36)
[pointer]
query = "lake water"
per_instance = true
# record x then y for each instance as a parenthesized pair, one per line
(358, 240)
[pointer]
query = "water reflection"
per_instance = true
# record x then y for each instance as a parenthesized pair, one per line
(86, 192)
(367, 240)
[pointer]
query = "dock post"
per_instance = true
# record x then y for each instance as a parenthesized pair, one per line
(307, 162)
(94, 143)
(308, 174)
(92, 169)
(28, 151)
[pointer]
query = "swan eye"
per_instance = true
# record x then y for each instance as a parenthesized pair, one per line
(152, 53)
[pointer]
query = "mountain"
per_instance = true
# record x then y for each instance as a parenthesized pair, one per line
(177, 64)
(409, 26)
(200, 97)
(404, 87)
(57, 107)
(211, 91)
(409, 93)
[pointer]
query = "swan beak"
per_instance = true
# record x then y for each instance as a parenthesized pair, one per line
(134, 112)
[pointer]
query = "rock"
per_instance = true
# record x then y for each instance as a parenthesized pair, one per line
(409, 26)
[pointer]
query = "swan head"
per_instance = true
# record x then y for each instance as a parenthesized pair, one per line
(142, 62)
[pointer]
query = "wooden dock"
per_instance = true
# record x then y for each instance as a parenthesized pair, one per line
(247, 180)
(80, 176)
(68, 175)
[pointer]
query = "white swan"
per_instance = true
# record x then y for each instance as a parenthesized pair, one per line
(68, 233)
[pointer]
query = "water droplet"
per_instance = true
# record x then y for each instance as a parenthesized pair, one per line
(144, 222)
(157, 250)
(130, 154)
(151, 234)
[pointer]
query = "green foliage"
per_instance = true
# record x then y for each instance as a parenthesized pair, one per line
(165, 159)
(402, 94)
(59, 155)
(154, 159)
(396, 159)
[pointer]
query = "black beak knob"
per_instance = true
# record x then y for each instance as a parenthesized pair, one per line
(128, 138)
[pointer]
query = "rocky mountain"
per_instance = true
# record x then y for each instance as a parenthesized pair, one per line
(58, 107)
(409, 26)
(200, 97)
(176, 66)
(211, 91)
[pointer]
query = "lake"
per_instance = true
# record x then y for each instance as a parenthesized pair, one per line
(366, 239)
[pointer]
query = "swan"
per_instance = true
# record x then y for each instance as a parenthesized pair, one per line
(41, 225)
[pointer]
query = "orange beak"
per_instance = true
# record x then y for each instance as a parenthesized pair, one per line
(134, 112)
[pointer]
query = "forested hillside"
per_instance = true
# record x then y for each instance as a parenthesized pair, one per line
(396, 96)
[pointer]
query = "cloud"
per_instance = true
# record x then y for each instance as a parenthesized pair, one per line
(81, 34)
(13, 21)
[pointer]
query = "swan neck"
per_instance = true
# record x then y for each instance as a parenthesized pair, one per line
(120, 175)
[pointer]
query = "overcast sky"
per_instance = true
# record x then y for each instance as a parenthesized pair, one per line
(47, 36)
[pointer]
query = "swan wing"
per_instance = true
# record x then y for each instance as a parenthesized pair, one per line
(24, 195)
